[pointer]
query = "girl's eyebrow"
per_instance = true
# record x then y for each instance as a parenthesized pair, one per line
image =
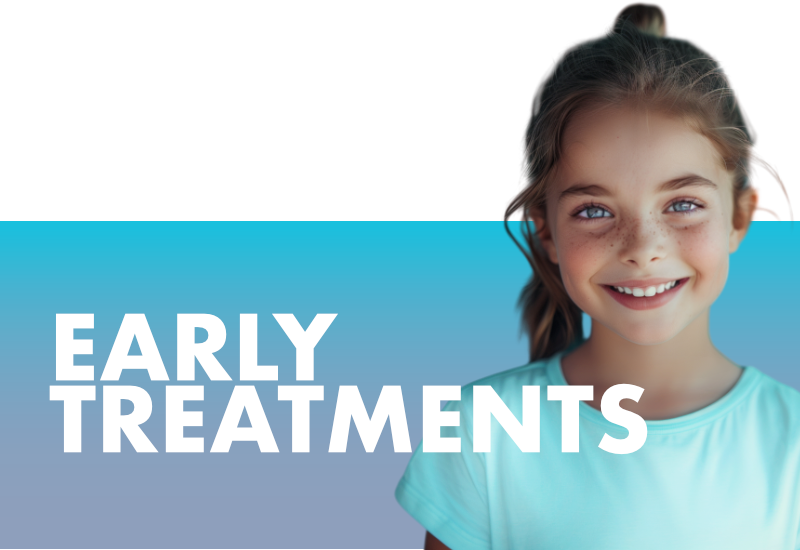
(596, 190)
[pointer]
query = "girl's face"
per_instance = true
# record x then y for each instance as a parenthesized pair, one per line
(641, 202)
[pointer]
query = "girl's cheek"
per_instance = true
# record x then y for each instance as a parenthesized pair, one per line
(705, 248)
(702, 245)
(694, 240)
(585, 248)
(581, 255)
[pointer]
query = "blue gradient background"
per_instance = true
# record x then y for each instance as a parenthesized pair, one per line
(418, 303)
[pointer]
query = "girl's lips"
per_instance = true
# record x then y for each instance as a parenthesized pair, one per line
(646, 302)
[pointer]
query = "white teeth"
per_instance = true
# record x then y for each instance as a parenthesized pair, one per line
(649, 291)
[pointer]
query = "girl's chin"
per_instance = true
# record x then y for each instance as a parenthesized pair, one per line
(644, 334)
(648, 341)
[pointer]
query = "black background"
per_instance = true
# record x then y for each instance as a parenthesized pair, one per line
(396, 113)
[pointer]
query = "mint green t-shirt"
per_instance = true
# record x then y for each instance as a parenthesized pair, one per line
(723, 477)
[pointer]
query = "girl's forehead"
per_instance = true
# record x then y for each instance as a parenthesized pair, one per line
(615, 145)
(617, 127)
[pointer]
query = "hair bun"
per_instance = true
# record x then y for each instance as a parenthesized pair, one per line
(648, 18)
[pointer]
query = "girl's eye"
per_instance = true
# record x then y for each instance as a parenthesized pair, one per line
(594, 211)
(685, 206)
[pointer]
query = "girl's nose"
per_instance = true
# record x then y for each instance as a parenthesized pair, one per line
(643, 243)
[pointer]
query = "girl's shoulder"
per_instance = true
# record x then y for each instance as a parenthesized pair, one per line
(775, 400)
(508, 384)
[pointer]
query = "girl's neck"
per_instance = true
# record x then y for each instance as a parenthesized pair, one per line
(679, 376)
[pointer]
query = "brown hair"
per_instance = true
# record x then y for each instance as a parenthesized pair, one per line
(633, 64)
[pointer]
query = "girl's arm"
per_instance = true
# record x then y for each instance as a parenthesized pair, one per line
(432, 543)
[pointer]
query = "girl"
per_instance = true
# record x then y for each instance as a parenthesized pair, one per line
(638, 160)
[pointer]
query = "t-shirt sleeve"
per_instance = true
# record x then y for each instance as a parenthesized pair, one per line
(797, 539)
(447, 492)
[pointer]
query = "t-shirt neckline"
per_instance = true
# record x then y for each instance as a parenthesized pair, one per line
(746, 382)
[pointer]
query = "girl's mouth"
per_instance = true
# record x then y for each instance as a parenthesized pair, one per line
(646, 297)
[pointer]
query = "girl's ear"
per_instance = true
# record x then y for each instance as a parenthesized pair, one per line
(742, 216)
(545, 235)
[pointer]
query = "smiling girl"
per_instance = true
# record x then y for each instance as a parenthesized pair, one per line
(638, 160)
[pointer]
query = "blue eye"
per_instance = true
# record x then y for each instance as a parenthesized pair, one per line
(595, 211)
(683, 210)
